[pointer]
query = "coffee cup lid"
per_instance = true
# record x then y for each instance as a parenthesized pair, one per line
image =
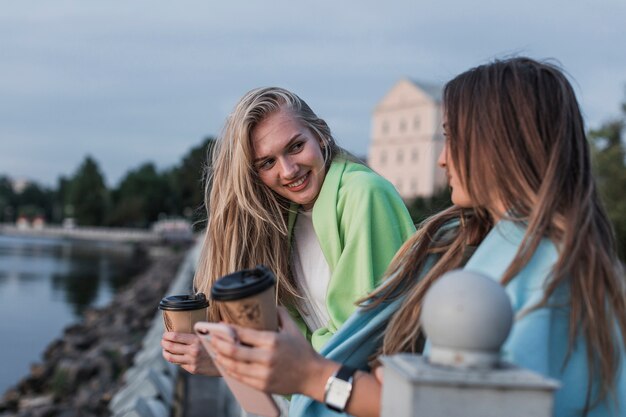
(184, 302)
(242, 284)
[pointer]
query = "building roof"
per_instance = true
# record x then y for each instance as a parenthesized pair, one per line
(433, 90)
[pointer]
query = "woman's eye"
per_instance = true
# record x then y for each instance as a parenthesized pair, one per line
(265, 165)
(297, 146)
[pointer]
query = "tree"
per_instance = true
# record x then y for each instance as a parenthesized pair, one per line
(421, 208)
(609, 161)
(188, 180)
(8, 200)
(60, 200)
(87, 194)
(35, 200)
(141, 197)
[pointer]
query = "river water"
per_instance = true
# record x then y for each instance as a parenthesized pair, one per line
(46, 284)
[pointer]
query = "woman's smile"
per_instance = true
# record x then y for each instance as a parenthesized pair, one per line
(299, 184)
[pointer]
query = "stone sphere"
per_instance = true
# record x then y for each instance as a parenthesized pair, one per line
(467, 316)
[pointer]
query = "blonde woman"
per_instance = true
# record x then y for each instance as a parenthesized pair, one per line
(526, 213)
(283, 194)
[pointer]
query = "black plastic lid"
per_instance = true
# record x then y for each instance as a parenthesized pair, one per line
(242, 284)
(184, 302)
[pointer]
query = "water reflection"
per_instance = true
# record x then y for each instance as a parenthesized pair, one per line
(45, 284)
(79, 287)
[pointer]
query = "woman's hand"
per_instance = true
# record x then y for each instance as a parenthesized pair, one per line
(186, 350)
(280, 362)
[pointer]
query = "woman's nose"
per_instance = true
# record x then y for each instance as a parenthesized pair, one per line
(289, 169)
(443, 156)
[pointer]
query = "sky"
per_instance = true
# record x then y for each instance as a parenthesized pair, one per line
(129, 82)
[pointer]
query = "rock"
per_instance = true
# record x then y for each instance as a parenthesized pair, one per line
(37, 370)
(35, 402)
(10, 400)
(67, 412)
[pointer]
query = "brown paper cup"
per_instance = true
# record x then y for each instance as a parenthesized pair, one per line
(183, 321)
(247, 298)
(256, 312)
(181, 312)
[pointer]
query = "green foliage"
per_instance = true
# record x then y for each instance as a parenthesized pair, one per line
(421, 208)
(60, 200)
(60, 383)
(141, 197)
(35, 200)
(145, 195)
(88, 195)
(609, 158)
(8, 200)
(188, 178)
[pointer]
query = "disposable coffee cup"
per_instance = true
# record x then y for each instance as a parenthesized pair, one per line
(181, 312)
(247, 298)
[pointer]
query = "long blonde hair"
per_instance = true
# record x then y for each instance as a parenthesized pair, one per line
(516, 134)
(247, 222)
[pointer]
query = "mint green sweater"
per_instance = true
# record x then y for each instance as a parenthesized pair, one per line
(361, 222)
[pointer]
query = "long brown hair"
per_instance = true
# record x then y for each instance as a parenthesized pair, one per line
(516, 135)
(247, 222)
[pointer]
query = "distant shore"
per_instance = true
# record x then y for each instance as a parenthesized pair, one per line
(84, 233)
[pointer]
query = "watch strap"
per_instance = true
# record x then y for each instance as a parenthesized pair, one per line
(345, 372)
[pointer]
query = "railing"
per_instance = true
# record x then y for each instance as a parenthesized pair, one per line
(85, 233)
(150, 388)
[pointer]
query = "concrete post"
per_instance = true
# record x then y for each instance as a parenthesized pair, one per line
(466, 317)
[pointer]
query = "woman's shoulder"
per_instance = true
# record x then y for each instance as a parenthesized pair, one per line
(498, 251)
(358, 178)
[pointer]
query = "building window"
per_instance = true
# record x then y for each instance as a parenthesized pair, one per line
(385, 127)
(414, 155)
(413, 186)
(383, 158)
(402, 125)
(399, 157)
(416, 123)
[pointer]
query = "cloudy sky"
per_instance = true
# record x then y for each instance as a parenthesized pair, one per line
(135, 81)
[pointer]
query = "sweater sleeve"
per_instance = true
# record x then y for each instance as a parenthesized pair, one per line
(373, 223)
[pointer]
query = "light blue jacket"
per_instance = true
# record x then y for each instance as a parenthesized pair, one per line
(538, 340)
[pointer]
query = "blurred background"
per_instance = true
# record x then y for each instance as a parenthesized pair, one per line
(108, 109)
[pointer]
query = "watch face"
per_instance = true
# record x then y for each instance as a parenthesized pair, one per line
(338, 393)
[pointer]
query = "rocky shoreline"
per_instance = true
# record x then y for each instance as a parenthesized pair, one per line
(82, 370)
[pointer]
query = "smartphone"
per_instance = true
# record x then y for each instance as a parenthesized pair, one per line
(252, 400)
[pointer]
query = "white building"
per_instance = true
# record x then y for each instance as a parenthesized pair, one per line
(407, 138)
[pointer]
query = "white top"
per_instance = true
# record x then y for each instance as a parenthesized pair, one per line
(312, 272)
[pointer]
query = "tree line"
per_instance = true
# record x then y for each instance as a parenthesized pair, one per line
(143, 196)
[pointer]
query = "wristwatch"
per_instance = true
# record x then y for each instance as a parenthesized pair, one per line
(338, 389)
